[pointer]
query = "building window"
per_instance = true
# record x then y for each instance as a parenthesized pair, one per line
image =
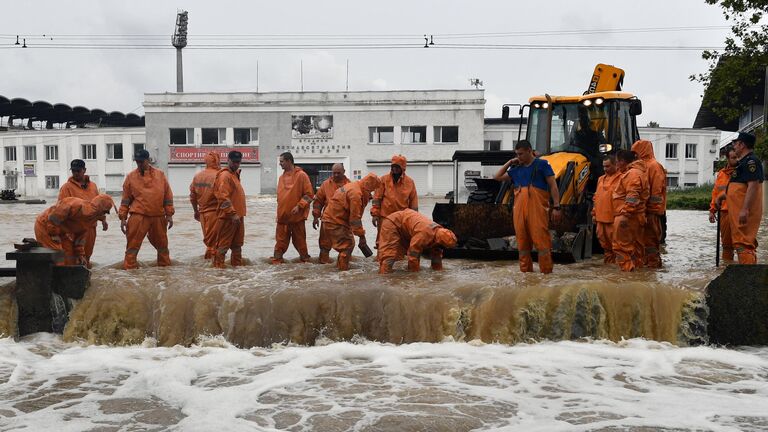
(88, 151)
(52, 182)
(671, 152)
(381, 134)
(244, 136)
(446, 134)
(690, 185)
(213, 136)
(30, 153)
(10, 154)
(115, 151)
(182, 136)
(10, 182)
(690, 151)
(414, 134)
(51, 152)
(137, 147)
(493, 145)
(672, 182)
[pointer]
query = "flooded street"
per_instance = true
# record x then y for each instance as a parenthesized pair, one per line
(302, 347)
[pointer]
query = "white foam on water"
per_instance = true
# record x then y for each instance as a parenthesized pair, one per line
(590, 385)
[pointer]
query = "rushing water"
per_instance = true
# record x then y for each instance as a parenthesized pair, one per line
(479, 346)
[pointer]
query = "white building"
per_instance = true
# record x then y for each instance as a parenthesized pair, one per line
(36, 162)
(362, 130)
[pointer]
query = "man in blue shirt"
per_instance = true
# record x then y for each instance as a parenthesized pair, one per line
(534, 183)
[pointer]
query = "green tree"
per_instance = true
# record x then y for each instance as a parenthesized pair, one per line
(653, 124)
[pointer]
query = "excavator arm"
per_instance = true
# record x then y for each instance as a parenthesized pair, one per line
(606, 78)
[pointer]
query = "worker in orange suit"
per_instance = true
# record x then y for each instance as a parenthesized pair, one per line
(204, 202)
(721, 184)
(294, 196)
(65, 226)
(629, 200)
(146, 210)
(344, 216)
(230, 214)
(79, 185)
(744, 199)
(324, 193)
(397, 192)
(656, 206)
(534, 183)
(602, 211)
(408, 231)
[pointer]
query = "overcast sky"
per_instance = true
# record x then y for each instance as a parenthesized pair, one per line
(116, 79)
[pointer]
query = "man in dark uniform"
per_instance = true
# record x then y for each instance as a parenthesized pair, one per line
(744, 199)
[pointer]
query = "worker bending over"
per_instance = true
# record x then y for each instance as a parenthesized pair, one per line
(344, 216)
(79, 185)
(408, 231)
(534, 183)
(65, 225)
(324, 193)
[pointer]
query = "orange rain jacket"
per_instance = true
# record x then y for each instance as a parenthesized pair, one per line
(346, 206)
(72, 188)
(293, 188)
(229, 194)
(603, 199)
(629, 201)
(411, 230)
(201, 188)
(657, 178)
(147, 195)
(393, 196)
(324, 193)
(721, 184)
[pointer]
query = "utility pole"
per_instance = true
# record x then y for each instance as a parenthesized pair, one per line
(179, 41)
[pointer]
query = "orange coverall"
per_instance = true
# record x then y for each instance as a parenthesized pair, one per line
(324, 193)
(64, 226)
(148, 200)
(656, 205)
(603, 213)
(293, 189)
(409, 230)
(392, 196)
(629, 200)
(86, 191)
(204, 202)
(721, 184)
(230, 235)
(344, 216)
(745, 236)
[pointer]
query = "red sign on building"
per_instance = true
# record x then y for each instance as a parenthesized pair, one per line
(197, 154)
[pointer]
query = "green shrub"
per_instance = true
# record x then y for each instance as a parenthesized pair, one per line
(693, 198)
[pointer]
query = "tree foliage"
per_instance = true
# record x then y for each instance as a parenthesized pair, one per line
(653, 124)
(735, 71)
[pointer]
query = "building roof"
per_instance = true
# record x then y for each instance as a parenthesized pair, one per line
(19, 108)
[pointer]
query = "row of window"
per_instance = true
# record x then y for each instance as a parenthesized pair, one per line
(412, 134)
(671, 151)
(214, 136)
(87, 152)
(674, 182)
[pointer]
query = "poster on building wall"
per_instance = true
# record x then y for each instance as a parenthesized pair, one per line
(197, 154)
(29, 169)
(312, 127)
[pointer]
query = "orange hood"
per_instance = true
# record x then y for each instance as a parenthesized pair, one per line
(445, 237)
(103, 202)
(212, 160)
(644, 150)
(370, 182)
(400, 161)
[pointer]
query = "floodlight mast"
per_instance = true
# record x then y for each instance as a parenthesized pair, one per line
(179, 41)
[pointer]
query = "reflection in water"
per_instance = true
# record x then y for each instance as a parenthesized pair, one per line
(221, 382)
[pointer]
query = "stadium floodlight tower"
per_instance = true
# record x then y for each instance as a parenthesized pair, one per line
(179, 41)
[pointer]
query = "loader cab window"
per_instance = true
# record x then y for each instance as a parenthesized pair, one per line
(622, 125)
(575, 128)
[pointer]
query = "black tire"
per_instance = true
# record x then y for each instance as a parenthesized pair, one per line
(481, 197)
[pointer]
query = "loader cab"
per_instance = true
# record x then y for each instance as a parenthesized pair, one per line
(592, 125)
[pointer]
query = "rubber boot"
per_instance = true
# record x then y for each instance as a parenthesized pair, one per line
(342, 263)
(325, 257)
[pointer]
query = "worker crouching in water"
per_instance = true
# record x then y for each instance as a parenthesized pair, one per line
(534, 183)
(323, 195)
(602, 211)
(408, 231)
(65, 226)
(344, 216)
(656, 206)
(721, 184)
(230, 213)
(294, 195)
(396, 192)
(79, 185)
(146, 210)
(204, 203)
(629, 200)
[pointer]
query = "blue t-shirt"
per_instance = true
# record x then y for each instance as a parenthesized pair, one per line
(534, 174)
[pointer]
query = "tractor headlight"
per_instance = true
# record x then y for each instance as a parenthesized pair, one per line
(599, 101)
(605, 148)
(587, 102)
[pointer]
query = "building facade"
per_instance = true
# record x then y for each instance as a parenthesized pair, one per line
(36, 162)
(362, 130)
